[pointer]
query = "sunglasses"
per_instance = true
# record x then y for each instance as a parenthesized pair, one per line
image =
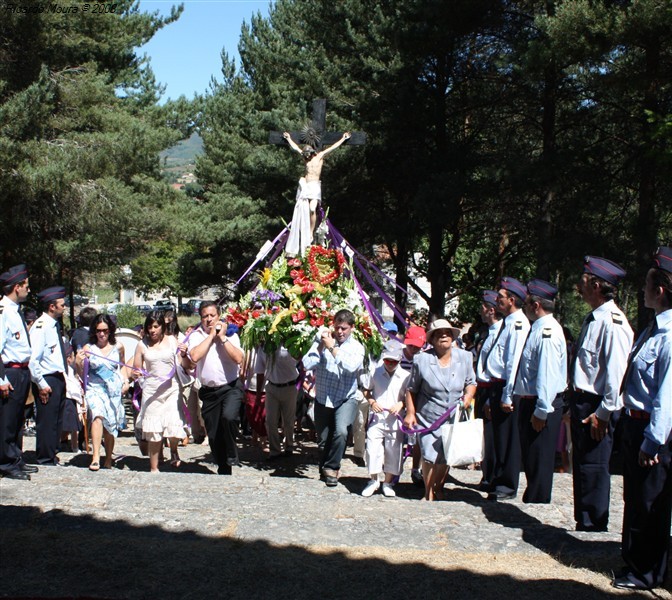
(102, 330)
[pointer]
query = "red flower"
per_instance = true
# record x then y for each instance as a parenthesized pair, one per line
(299, 316)
(294, 262)
(317, 322)
(307, 288)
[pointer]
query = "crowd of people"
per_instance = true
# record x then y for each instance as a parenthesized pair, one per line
(521, 376)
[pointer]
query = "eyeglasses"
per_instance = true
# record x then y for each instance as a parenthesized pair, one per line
(102, 330)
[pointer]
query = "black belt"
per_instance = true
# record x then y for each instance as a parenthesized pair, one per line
(484, 384)
(495, 380)
(293, 382)
(221, 385)
(640, 415)
(57, 374)
(528, 397)
(16, 365)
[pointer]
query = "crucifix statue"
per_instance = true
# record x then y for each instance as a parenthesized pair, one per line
(309, 193)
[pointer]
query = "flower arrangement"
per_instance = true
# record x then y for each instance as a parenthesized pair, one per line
(295, 298)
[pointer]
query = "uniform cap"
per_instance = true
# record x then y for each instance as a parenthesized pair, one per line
(489, 297)
(514, 286)
(663, 258)
(14, 275)
(604, 269)
(542, 289)
(51, 293)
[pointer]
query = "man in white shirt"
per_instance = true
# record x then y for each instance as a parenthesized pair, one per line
(501, 365)
(599, 363)
(218, 357)
(281, 376)
(47, 371)
(491, 316)
(14, 373)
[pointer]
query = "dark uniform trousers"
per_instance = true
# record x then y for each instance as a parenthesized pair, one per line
(538, 449)
(483, 394)
(506, 442)
(11, 418)
(221, 415)
(49, 418)
(647, 512)
(590, 465)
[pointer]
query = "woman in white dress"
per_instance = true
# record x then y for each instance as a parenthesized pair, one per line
(105, 381)
(161, 416)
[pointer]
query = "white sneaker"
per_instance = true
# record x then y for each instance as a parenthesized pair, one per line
(388, 491)
(370, 488)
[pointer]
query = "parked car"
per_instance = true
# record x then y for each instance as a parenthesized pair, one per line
(164, 305)
(144, 309)
(190, 308)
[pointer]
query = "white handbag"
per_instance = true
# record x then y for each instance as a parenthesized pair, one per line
(463, 439)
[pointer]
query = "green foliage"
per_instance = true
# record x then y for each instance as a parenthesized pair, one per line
(80, 133)
(128, 316)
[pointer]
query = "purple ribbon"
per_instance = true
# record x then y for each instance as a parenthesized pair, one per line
(434, 426)
(259, 258)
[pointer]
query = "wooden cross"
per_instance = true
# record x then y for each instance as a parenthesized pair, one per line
(319, 126)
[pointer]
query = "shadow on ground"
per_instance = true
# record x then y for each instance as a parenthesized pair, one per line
(53, 554)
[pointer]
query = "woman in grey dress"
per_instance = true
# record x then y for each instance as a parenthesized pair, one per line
(439, 379)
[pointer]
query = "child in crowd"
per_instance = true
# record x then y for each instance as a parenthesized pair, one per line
(73, 412)
(384, 438)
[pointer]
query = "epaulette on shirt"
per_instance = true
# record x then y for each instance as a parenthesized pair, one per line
(518, 325)
(617, 318)
(38, 324)
(2, 308)
(546, 332)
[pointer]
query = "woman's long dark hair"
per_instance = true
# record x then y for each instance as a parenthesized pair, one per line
(154, 317)
(111, 325)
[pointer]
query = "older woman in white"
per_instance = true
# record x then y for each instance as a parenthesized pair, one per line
(439, 379)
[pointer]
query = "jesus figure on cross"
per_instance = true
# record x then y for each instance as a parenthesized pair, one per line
(308, 195)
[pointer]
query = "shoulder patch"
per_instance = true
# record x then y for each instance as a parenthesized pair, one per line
(38, 325)
(2, 308)
(546, 332)
(518, 325)
(617, 318)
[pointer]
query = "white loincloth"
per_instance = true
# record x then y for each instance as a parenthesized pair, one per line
(300, 233)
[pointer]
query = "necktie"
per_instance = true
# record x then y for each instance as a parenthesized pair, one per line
(59, 330)
(25, 327)
(582, 335)
(520, 360)
(487, 356)
(648, 332)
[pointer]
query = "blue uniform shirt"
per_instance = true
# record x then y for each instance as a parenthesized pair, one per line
(543, 365)
(14, 342)
(649, 384)
(493, 330)
(502, 361)
(46, 356)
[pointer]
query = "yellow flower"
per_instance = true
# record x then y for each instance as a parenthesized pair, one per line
(279, 317)
(265, 276)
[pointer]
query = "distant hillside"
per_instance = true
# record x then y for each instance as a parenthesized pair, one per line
(183, 153)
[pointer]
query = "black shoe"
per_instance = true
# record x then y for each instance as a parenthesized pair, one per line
(26, 468)
(331, 481)
(233, 462)
(273, 457)
(417, 479)
(628, 583)
(496, 496)
(16, 474)
(289, 451)
(484, 486)
(590, 528)
(359, 461)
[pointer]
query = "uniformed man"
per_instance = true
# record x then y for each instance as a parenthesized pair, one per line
(501, 364)
(47, 370)
(540, 383)
(14, 373)
(646, 441)
(491, 316)
(596, 372)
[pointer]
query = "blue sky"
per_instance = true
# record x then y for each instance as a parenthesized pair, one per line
(186, 54)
